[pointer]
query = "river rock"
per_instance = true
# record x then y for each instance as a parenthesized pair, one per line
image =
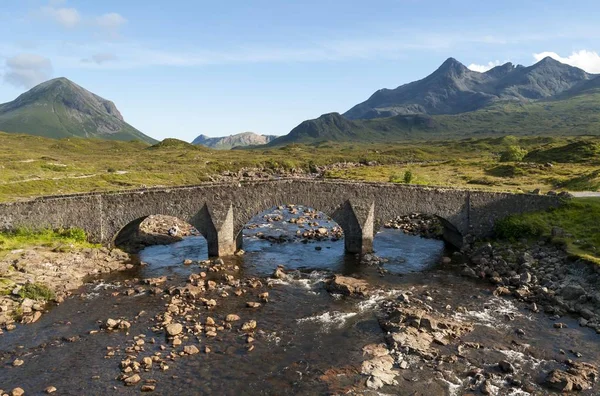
(506, 366)
(50, 389)
(578, 377)
(174, 329)
(111, 323)
(249, 326)
(232, 318)
(279, 273)
(17, 392)
(380, 371)
(133, 380)
(572, 291)
(375, 350)
(191, 349)
(348, 286)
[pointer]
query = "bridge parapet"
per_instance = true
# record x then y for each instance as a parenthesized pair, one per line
(220, 211)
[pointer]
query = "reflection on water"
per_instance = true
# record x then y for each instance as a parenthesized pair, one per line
(404, 253)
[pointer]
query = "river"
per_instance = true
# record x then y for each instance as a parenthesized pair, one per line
(308, 341)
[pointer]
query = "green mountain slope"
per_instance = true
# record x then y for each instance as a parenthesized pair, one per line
(575, 115)
(60, 108)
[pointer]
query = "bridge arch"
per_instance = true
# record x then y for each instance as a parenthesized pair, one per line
(152, 230)
(356, 220)
(210, 223)
(450, 233)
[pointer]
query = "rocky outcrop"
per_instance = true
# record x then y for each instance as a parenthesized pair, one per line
(578, 376)
(417, 331)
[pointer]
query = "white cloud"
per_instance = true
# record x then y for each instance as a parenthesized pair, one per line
(484, 68)
(584, 59)
(27, 70)
(111, 22)
(66, 17)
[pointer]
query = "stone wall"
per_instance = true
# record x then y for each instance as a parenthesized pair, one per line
(220, 211)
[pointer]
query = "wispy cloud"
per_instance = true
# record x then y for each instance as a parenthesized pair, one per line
(392, 46)
(583, 59)
(101, 58)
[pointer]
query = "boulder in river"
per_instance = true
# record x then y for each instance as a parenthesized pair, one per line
(348, 286)
(174, 329)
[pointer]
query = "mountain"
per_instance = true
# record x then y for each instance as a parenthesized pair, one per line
(453, 89)
(576, 114)
(228, 142)
(334, 127)
(60, 108)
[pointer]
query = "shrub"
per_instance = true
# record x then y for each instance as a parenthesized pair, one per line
(513, 154)
(408, 177)
(75, 234)
(36, 291)
(514, 227)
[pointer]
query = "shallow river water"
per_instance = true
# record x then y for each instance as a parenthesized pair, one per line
(309, 341)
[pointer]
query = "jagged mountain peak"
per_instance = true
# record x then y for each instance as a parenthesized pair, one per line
(452, 88)
(452, 65)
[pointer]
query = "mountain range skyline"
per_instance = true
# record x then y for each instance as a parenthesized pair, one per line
(200, 62)
(450, 89)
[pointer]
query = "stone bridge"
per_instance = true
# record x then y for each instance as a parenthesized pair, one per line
(220, 211)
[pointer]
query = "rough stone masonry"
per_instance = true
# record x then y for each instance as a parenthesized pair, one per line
(220, 211)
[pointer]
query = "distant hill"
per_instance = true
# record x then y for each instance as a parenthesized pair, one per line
(60, 108)
(577, 114)
(453, 89)
(228, 142)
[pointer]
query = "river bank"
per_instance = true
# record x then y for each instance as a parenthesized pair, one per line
(33, 277)
(542, 275)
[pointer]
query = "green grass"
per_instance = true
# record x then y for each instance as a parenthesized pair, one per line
(578, 220)
(36, 291)
(6, 286)
(59, 239)
(33, 166)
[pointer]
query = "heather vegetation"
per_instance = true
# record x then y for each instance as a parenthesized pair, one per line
(34, 166)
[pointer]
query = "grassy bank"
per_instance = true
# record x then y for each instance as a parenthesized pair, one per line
(59, 240)
(574, 225)
(34, 166)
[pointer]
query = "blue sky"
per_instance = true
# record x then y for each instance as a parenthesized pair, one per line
(181, 68)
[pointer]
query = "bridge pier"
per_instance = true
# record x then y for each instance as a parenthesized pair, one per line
(216, 224)
(357, 220)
